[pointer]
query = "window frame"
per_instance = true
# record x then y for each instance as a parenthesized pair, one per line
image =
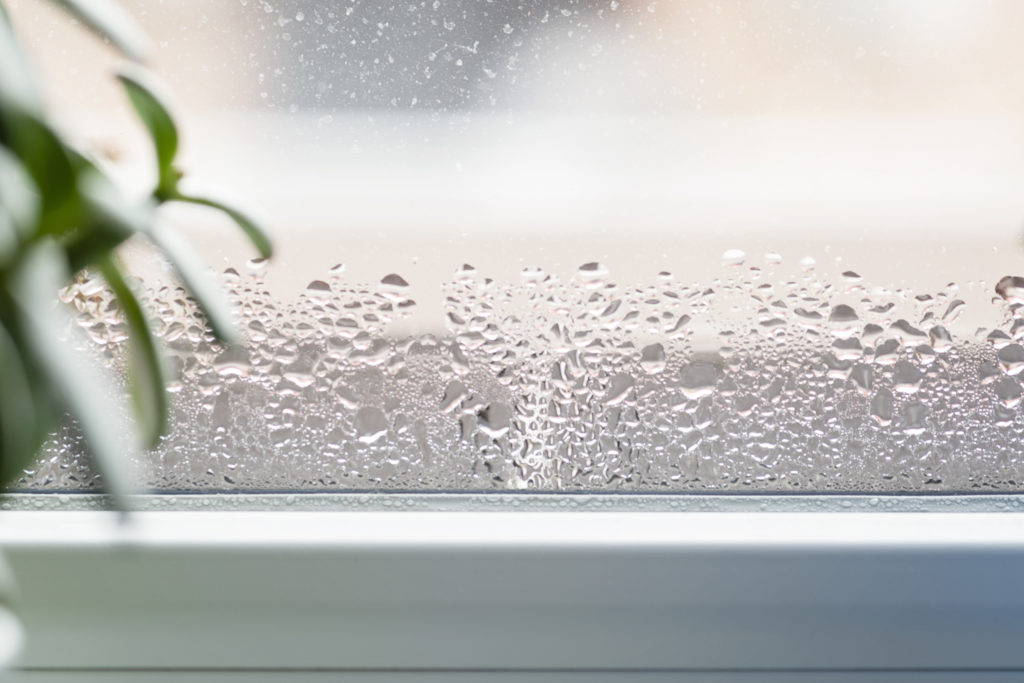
(488, 594)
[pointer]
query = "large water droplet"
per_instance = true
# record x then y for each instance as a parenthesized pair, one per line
(843, 321)
(495, 420)
(371, 424)
(882, 407)
(1011, 358)
(698, 380)
(618, 389)
(906, 377)
(318, 289)
(232, 362)
(652, 358)
(1011, 288)
(1008, 391)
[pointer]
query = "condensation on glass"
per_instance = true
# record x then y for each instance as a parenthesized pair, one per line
(587, 246)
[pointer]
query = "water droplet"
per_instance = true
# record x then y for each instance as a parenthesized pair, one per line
(998, 339)
(257, 265)
(908, 334)
(454, 394)
(843, 321)
(698, 380)
(847, 349)
(232, 362)
(652, 358)
(733, 257)
(1011, 358)
(618, 389)
(863, 376)
(882, 407)
(941, 340)
(318, 289)
(1008, 391)
(371, 424)
(1011, 288)
(494, 420)
(906, 377)
(953, 311)
(914, 415)
(887, 352)
(592, 274)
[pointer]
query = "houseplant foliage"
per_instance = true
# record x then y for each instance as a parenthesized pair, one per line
(60, 213)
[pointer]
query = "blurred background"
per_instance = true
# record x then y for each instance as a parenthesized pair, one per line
(413, 136)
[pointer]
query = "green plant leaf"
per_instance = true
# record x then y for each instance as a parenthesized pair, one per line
(19, 198)
(80, 387)
(145, 371)
(110, 21)
(18, 416)
(150, 103)
(46, 160)
(108, 218)
(252, 230)
(201, 283)
(145, 368)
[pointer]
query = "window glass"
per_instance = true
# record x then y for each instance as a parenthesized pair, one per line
(582, 245)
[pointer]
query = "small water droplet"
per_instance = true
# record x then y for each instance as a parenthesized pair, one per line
(257, 265)
(592, 274)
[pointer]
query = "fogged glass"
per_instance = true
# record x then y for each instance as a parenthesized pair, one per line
(582, 246)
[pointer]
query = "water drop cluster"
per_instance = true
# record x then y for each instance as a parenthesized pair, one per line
(753, 381)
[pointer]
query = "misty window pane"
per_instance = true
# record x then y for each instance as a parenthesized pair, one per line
(581, 245)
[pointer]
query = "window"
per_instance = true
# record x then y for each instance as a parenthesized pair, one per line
(589, 246)
(565, 247)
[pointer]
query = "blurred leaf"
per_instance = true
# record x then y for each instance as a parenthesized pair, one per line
(253, 231)
(46, 160)
(145, 372)
(18, 417)
(19, 198)
(110, 21)
(146, 96)
(108, 217)
(81, 388)
(8, 239)
(202, 283)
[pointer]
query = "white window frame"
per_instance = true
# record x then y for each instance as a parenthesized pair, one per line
(506, 595)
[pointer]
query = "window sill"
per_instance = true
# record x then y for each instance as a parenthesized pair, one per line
(507, 595)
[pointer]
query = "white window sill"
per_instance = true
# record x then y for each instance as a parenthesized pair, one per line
(510, 596)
